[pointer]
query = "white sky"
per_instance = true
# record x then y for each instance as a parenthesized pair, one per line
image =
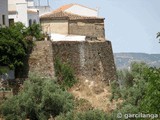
(131, 25)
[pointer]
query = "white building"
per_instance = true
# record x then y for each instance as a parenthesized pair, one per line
(43, 9)
(79, 10)
(21, 11)
(3, 12)
(30, 3)
(74, 20)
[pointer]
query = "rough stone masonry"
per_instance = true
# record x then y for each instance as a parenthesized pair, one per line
(89, 60)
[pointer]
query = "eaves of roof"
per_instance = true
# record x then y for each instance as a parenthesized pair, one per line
(32, 11)
(65, 15)
(12, 12)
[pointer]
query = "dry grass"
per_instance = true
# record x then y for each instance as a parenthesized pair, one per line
(97, 93)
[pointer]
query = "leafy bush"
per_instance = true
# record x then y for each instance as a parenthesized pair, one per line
(151, 100)
(130, 88)
(64, 73)
(143, 96)
(39, 99)
(16, 42)
(88, 115)
(35, 31)
(12, 45)
(3, 70)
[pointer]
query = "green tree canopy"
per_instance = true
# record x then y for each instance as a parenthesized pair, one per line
(39, 99)
(143, 95)
(151, 100)
(87, 115)
(15, 43)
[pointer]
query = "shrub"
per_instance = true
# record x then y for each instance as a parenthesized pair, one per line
(39, 99)
(131, 89)
(16, 42)
(151, 100)
(35, 31)
(88, 115)
(3, 70)
(64, 73)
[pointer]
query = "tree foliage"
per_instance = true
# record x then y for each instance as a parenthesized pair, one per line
(39, 99)
(34, 31)
(12, 45)
(143, 95)
(158, 35)
(15, 41)
(151, 100)
(87, 115)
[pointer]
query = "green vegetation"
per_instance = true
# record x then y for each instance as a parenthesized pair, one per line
(151, 100)
(3, 70)
(138, 88)
(87, 115)
(39, 99)
(34, 31)
(15, 43)
(64, 74)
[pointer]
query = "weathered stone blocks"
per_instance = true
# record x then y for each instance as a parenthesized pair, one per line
(89, 60)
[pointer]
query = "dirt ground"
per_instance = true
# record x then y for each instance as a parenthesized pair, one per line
(97, 93)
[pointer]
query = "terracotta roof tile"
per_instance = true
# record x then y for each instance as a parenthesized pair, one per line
(65, 15)
(64, 7)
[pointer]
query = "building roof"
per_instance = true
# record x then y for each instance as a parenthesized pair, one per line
(65, 15)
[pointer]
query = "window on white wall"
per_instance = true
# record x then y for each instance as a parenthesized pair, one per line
(30, 22)
(34, 21)
(11, 22)
(3, 19)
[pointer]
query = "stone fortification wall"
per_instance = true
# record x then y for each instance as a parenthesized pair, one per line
(41, 59)
(90, 60)
(92, 28)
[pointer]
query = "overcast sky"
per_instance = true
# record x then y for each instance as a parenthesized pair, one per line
(131, 25)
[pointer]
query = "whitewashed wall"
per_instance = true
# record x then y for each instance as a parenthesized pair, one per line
(33, 16)
(13, 16)
(16, 1)
(84, 11)
(43, 9)
(30, 3)
(22, 13)
(4, 11)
